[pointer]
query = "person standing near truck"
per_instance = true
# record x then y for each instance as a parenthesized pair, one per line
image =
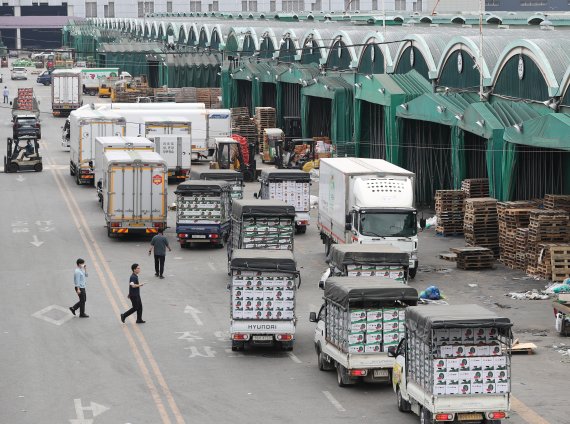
(134, 295)
(80, 280)
(6, 94)
(160, 244)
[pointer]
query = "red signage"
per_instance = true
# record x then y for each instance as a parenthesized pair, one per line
(157, 179)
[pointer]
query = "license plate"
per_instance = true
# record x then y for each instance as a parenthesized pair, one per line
(263, 338)
(198, 236)
(136, 224)
(468, 417)
(380, 373)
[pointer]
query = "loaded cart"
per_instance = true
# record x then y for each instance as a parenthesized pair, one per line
(263, 295)
(367, 260)
(454, 364)
(292, 187)
(235, 178)
(357, 323)
(202, 212)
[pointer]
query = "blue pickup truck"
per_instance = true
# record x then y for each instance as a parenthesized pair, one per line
(44, 78)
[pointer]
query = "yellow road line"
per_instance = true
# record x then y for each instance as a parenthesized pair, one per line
(526, 413)
(98, 258)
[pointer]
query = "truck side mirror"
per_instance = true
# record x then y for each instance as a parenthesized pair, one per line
(255, 195)
(313, 317)
(392, 351)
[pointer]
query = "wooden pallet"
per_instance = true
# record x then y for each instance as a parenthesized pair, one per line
(452, 257)
(475, 257)
(560, 262)
(475, 187)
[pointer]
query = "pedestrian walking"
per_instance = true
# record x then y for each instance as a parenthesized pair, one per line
(160, 244)
(134, 295)
(6, 94)
(80, 280)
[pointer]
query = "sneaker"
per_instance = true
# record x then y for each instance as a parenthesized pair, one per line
(156, 274)
(141, 322)
(72, 310)
(84, 316)
(161, 277)
(123, 318)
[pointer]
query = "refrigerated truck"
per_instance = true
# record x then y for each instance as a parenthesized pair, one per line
(114, 143)
(91, 77)
(134, 189)
(368, 201)
(85, 125)
(173, 140)
(66, 92)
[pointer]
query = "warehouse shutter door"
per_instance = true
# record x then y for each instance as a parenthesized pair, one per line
(268, 95)
(291, 104)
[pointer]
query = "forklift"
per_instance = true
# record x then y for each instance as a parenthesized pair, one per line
(229, 155)
(23, 154)
(287, 158)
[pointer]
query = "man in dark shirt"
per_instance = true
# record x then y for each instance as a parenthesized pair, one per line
(160, 244)
(134, 295)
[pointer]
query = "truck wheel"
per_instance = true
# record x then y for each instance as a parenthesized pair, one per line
(301, 229)
(237, 346)
(287, 346)
(328, 244)
(426, 417)
(324, 365)
(413, 272)
(38, 167)
(342, 377)
(403, 405)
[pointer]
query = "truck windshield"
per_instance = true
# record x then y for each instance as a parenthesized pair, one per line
(388, 224)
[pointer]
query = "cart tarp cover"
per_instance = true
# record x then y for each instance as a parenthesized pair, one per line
(285, 174)
(422, 319)
(217, 174)
(202, 186)
(273, 208)
(264, 260)
(347, 290)
(345, 254)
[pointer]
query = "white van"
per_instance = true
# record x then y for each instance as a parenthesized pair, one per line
(19, 73)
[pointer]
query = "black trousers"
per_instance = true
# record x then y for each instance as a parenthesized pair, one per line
(81, 304)
(159, 264)
(137, 307)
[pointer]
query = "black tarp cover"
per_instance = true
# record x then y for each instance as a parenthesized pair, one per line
(217, 174)
(348, 290)
(345, 254)
(284, 175)
(423, 319)
(263, 260)
(202, 186)
(271, 208)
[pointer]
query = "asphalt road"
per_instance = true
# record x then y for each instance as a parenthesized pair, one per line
(178, 367)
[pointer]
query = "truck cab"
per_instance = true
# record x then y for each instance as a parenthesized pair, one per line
(44, 78)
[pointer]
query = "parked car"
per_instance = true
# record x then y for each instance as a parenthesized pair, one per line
(41, 56)
(19, 73)
(26, 125)
(13, 53)
(44, 78)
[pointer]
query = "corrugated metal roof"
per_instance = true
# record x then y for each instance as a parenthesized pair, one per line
(412, 83)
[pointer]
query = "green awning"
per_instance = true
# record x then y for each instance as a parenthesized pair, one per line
(440, 108)
(550, 131)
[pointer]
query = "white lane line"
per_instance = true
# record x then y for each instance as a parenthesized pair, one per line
(334, 402)
(211, 265)
(294, 358)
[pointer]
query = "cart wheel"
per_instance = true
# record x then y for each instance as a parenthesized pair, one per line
(412, 272)
(403, 405)
(38, 167)
(425, 416)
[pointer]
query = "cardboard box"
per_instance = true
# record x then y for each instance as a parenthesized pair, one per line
(402, 314)
(489, 376)
(465, 364)
(472, 351)
(439, 389)
(355, 338)
(496, 350)
(483, 350)
(373, 348)
(452, 376)
(502, 387)
(446, 351)
(465, 388)
(356, 348)
(475, 364)
(390, 326)
(440, 365)
(374, 326)
(492, 334)
(357, 315)
(401, 326)
(374, 337)
(391, 337)
(476, 388)
(455, 335)
(480, 335)
(452, 389)
(468, 336)
(477, 377)
(389, 314)
(459, 350)
(465, 376)
(488, 363)
(500, 362)
(356, 327)
(489, 388)
(439, 376)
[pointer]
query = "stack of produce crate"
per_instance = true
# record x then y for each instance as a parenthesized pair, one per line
(481, 225)
(474, 257)
(449, 210)
(512, 216)
(546, 226)
(264, 118)
(475, 187)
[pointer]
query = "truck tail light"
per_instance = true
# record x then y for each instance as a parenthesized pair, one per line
(214, 236)
(497, 415)
(358, 373)
(157, 224)
(240, 336)
(85, 171)
(302, 222)
(444, 417)
(284, 337)
(182, 235)
(115, 224)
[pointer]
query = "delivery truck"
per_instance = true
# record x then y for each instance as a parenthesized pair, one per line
(91, 77)
(366, 260)
(134, 191)
(454, 364)
(66, 92)
(232, 176)
(203, 212)
(85, 125)
(263, 294)
(357, 323)
(368, 201)
(114, 143)
(173, 140)
(293, 187)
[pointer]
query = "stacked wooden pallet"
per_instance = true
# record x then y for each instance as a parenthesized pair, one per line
(475, 187)
(243, 125)
(521, 246)
(449, 210)
(481, 225)
(546, 226)
(164, 94)
(560, 262)
(215, 98)
(186, 95)
(544, 263)
(557, 201)
(264, 118)
(474, 257)
(512, 215)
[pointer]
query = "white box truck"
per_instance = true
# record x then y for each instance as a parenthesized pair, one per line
(91, 77)
(157, 106)
(173, 140)
(66, 93)
(454, 364)
(114, 143)
(357, 323)
(85, 125)
(134, 191)
(368, 201)
(263, 293)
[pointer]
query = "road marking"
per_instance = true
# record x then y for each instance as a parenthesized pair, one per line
(194, 314)
(526, 413)
(105, 274)
(20, 179)
(334, 402)
(294, 358)
(95, 409)
(36, 242)
(211, 265)
(42, 314)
